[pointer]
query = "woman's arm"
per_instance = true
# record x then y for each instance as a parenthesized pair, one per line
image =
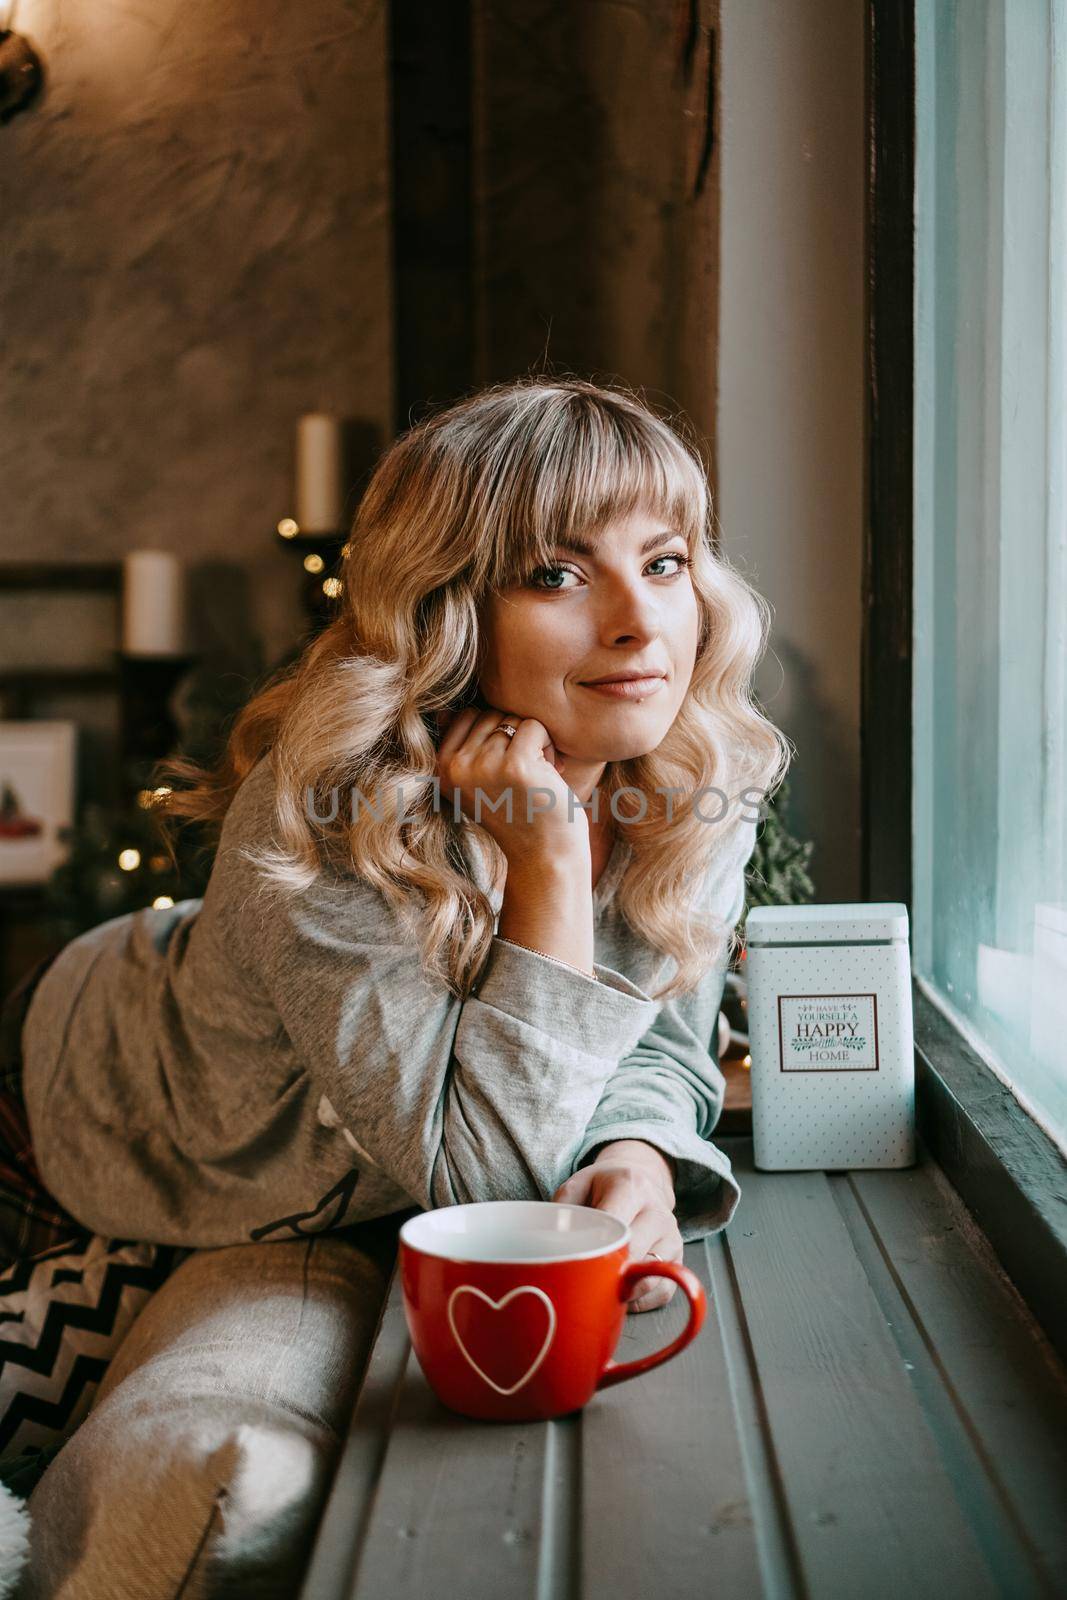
(667, 1093)
(664, 1099)
(551, 910)
(483, 1099)
(647, 1157)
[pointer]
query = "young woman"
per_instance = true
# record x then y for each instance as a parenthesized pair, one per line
(482, 852)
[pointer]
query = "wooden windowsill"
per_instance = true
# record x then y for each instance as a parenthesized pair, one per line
(1006, 1168)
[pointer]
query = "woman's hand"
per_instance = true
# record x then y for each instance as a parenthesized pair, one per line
(473, 756)
(631, 1180)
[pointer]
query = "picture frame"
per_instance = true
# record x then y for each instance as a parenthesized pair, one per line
(38, 764)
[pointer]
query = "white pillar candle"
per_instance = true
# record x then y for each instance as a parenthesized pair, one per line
(319, 470)
(153, 604)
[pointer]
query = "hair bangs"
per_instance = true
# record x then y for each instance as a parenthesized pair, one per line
(587, 462)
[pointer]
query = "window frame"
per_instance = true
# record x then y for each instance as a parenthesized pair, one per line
(1008, 1171)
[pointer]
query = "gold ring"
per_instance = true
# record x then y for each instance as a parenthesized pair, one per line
(654, 1256)
(506, 727)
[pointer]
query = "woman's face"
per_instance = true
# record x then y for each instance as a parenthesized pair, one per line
(627, 607)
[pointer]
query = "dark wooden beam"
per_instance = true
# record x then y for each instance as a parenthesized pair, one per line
(433, 279)
(886, 670)
(22, 576)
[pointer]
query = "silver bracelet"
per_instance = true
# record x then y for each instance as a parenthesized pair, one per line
(570, 967)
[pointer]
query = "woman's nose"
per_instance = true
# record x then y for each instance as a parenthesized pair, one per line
(630, 612)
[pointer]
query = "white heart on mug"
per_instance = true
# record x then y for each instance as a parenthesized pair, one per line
(498, 1305)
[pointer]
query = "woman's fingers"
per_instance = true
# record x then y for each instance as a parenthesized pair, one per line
(461, 758)
(459, 725)
(657, 1294)
(625, 1195)
(648, 1294)
(612, 1193)
(615, 1192)
(654, 1235)
(512, 785)
(574, 1190)
(532, 738)
(478, 726)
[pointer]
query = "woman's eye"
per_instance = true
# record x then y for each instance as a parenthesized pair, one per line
(550, 572)
(674, 555)
(683, 561)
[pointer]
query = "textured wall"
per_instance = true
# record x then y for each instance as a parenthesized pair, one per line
(791, 373)
(195, 250)
(594, 244)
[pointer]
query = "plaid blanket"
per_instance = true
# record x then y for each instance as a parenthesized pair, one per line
(67, 1295)
(31, 1219)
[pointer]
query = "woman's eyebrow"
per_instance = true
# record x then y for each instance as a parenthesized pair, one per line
(582, 547)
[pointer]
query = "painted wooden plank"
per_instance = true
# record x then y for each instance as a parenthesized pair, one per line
(1003, 1543)
(782, 1576)
(350, 1505)
(665, 1507)
(961, 1323)
(872, 1510)
(459, 1505)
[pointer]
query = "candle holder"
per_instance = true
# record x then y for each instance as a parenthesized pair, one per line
(147, 730)
(321, 556)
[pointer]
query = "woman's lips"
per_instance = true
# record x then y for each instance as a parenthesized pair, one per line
(628, 688)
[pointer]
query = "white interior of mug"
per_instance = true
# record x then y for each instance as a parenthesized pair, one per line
(515, 1230)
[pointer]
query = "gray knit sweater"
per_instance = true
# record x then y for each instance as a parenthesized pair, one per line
(252, 1066)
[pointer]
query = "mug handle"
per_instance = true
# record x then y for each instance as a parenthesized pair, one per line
(693, 1289)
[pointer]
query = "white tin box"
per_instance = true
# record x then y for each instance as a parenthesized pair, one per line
(830, 1036)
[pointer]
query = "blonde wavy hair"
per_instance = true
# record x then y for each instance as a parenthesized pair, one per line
(469, 501)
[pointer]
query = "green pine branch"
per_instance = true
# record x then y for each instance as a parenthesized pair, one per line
(777, 873)
(118, 861)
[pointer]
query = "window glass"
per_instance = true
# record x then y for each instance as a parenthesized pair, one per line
(990, 685)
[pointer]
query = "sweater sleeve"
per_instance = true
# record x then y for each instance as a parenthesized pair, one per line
(669, 1090)
(454, 1101)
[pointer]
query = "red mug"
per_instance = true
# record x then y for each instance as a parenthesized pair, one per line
(514, 1307)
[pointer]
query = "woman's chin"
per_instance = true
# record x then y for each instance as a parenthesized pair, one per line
(610, 750)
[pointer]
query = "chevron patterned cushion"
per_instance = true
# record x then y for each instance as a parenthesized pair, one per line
(204, 1462)
(63, 1314)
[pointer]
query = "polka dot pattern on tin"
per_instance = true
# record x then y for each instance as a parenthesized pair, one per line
(833, 1060)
